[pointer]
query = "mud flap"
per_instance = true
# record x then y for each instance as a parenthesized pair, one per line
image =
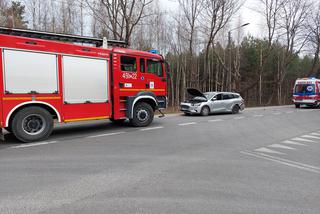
(161, 114)
(1, 134)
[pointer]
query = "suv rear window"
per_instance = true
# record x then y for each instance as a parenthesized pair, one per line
(227, 96)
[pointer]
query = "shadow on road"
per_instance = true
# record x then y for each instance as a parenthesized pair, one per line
(70, 131)
(212, 114)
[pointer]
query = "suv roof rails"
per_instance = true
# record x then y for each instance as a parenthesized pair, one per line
(98, 42)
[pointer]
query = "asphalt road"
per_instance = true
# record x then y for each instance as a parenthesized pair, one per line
(263, 160)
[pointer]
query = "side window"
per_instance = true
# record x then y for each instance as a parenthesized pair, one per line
(226, 96)
(236, 96)
(142, 66)
(155, 67)
(128, 63)
(219, 96)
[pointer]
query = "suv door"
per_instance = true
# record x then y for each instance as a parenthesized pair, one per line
(228, 100)
(216, 104)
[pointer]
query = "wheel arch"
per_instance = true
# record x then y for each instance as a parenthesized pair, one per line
(235, 104)
(149, 98)
(51, 109)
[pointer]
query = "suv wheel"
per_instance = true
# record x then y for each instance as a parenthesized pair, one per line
(235, 109)
(205, 111)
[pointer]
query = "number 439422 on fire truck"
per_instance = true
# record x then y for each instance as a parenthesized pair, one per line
(47, 77)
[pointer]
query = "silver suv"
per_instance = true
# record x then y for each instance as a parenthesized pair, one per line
(212, 102)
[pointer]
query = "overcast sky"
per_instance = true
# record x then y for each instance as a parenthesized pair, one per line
(247, 14)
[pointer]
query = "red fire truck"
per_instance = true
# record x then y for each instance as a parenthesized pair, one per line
(47, 77)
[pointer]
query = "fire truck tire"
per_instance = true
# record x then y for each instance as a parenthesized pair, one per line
(32, 124)
(297, 105)
(142, 115)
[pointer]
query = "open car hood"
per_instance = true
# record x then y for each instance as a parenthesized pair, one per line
(195, 93)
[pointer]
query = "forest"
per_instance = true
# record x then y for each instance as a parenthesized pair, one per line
(203, 40)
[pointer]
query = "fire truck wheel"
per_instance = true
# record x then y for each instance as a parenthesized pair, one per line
(32, 124)
(142, 115)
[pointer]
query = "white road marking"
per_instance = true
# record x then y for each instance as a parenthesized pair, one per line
(303, 140)
(310, 136)
(311, 110)
(266, 150)
(216, 120)
(107, 134)
(290, 161)
(33, 144)
(289, 112)
(258, 115)
(284, 162)
(276, 145)
(187, 124)
(238, 118)
(315, 133)
(293, 143)
(276, 113)
(152, 128)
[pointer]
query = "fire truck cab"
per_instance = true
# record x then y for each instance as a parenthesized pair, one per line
(306, 91)
(46, 77)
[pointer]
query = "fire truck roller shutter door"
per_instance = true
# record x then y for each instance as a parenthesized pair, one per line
(30, 72)
(85, 80)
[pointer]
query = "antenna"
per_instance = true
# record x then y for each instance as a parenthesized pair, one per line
(61, 37)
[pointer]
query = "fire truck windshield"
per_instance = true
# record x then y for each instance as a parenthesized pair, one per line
(304, 89)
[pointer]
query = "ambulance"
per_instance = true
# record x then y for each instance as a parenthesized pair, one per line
(306, 91)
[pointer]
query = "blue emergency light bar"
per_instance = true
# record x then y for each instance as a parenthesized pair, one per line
(154, 51)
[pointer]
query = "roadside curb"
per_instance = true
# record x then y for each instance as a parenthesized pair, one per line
(246, 109)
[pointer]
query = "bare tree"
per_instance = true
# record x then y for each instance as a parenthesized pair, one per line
(190, 11)
(270, 11)
(294, 14)
(313, 27)
(3, 8)
(216, 15)
(119, 17)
